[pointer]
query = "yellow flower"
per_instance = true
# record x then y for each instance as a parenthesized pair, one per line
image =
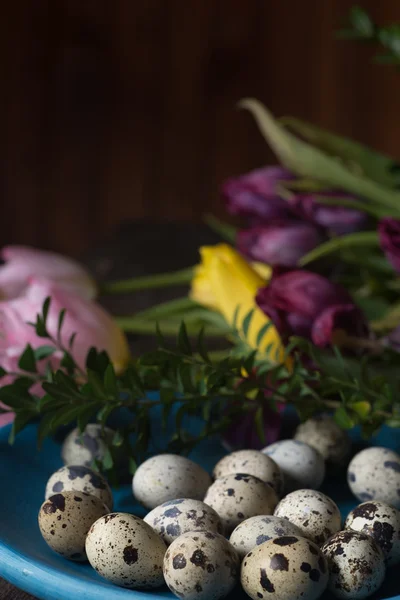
(226, 282)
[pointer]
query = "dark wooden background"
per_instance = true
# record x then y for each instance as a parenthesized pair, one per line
(118, 109)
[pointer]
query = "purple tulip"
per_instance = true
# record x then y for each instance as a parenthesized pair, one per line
(389, 238)
(256, 194)
(338, 220)
(308, 305)
(282, 244)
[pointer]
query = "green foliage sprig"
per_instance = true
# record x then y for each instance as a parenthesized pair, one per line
(190, 383)
(361, 27)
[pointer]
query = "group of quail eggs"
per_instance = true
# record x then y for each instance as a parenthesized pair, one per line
(260, 522)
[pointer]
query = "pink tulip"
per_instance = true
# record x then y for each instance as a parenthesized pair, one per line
(92, 325)
(21, 262)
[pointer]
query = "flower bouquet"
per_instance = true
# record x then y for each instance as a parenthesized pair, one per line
(305, 293)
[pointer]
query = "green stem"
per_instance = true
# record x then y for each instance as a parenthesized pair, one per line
(363, 238)
(133, 325)
(166, 309)
(373, 210)
(226, 231)
(147, 282)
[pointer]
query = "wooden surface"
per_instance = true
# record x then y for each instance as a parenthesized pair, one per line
(126, 109)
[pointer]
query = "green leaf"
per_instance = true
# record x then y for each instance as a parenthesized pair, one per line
(118, 439)
(390, 38)
(355, 156)
(45, 427)
(343, 419)
(71, 340)
(352, 240)
(235, 317)
(27, 360)
(160, 338)
(386, 59)
(68, 363)
(262, 333)
(110, 380)
(363, 206)
(133, 380)
(104, 413)
(374, 307)
(16, 397)
(108, 461)
(44, 352)
(305, 160)
(201, 347)
(226, 231)
(48, 402)
(45, 309)
(96, 384)
(21, 420)
(61, 318)
(85, 415)
(361, 22)
(246, 322)
(183, 340)
(65, 416)
(2, 372)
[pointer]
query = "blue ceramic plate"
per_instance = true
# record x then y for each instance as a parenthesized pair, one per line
(27, 562)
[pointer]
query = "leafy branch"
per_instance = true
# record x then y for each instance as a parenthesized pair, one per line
(361, 27)
(191, 384)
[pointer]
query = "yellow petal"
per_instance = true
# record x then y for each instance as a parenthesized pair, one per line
(236, 294)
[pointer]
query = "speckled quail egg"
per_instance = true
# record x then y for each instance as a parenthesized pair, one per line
(126, 551)
(382, 522)
(238, 496)
(323, 434)
(374, 474)
(80, 479)
(316, 515)
(285, 568)
(201, 565)
(65, 519)
(302, 466)
(253, 463)
(83, 448)
(167, 477)
(356, 565)
(175, 517)
(257, 530)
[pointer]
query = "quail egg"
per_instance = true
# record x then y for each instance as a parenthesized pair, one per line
(374, 474)
(201, 565)
(80, 479)
(382, 522)
(126, 551)
(356, 565)
(257, 530)
(285, 568)
(238, 496)
(167, 477)
(302, 466)
(65, 519)
(254, 463)
(175, 517)
(316, 515)
(83, 448)
(323, 434)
